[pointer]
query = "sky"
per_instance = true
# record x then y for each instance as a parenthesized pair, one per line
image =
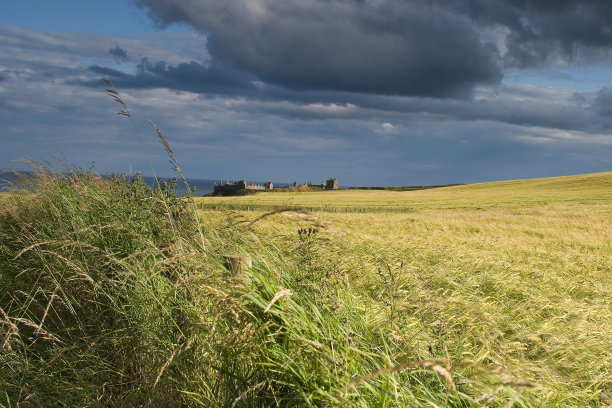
(372, 92)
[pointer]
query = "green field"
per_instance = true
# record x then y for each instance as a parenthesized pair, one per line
(484, 295)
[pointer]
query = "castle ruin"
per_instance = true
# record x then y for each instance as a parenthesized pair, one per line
(330, 184)
(241, 185)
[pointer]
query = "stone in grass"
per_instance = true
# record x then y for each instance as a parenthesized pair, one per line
(237, 263)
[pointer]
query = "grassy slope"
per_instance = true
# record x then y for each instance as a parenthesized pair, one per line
(516, 274)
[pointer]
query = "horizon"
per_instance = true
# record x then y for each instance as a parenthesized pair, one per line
(287, 183)
(372, 93)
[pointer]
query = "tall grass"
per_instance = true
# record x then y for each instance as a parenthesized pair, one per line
(109, 298)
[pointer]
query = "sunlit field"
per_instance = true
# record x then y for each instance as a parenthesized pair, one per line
(515, 276)
(493, 295)
(584, 189)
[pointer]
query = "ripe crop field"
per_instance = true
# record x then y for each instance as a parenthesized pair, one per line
(515, 276)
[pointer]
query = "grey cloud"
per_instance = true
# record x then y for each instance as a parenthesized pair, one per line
(544, 31)
(62, 47)
(419, 48)
(49, 41)
(370, 47)
(119, 53)
(187, 76)
(40, 55)
(510, 104)
(603, 102)
(106, 72)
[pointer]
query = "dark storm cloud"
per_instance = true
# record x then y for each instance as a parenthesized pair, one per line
(544, 31)
(435, 48)
(187, 76)
(515, 105)
(371, 47)
(119, 53)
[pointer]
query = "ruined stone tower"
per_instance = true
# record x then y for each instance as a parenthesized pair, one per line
(331, 184)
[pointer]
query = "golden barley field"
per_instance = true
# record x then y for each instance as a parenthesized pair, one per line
(515, 276)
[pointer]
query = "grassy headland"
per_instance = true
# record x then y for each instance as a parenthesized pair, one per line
(115, 294)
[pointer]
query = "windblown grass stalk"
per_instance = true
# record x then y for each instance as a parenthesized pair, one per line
(173, 160)
(112, 92)
(174, 163)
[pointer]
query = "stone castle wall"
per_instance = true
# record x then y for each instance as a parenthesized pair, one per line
(241, 185)
(330, 184)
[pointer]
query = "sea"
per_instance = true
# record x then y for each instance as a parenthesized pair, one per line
(202, 186)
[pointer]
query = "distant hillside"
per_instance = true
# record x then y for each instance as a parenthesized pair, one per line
(404, 188)
(580, 189)
(593, 184)
(579, 182)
